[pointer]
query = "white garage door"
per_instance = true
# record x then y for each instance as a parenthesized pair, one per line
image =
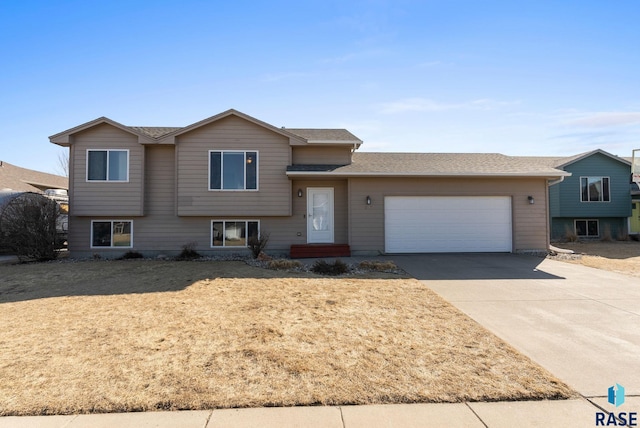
(443, 224)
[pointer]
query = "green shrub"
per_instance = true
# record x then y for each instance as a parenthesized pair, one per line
(323, 267)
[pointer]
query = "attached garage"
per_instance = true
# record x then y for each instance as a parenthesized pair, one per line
(447, 224)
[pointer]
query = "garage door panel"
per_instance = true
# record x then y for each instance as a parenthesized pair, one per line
(447, 224)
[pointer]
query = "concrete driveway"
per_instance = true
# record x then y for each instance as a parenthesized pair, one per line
(580, 323)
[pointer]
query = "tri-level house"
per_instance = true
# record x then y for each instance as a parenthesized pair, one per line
(218, 181)
(595, 201)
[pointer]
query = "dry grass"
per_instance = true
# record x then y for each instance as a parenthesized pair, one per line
(621, 256)
(379, 266)
(141, 335)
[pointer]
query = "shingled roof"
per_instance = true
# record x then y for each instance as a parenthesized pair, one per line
(154, 131)
(324, 135)
(27, 180)
(435, 164)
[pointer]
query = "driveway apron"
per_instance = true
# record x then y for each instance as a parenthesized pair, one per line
(581, 324)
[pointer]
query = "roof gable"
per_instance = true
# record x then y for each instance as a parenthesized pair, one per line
(579, 157)
(63, 138)
(169, 138)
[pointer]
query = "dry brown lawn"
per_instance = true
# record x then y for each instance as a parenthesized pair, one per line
(113, 336)
(617, 256)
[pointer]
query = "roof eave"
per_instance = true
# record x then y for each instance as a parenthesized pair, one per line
(546, 175)
(335, 142)
(63, 138)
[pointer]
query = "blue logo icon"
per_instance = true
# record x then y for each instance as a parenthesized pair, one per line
(616, 395)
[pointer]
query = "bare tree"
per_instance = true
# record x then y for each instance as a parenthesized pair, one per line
(63, 163)
(28, 227)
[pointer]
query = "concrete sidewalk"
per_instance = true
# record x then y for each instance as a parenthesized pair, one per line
(566, 414)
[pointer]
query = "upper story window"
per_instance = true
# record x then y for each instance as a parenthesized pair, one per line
(233, 170)
(107, 165)
(594, 189)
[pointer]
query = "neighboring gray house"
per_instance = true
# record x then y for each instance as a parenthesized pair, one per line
(218, 181)
(595, 201)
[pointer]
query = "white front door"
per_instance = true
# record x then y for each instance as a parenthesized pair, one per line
(320, 215)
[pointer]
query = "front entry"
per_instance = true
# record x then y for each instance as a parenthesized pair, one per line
(320, 215)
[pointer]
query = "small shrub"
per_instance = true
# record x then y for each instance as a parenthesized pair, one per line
(622, 236)
(379, 266)
(606, 234)
(323, 267)
(570, 234)
(131, 255)
(257, 243)
(284, 264)
(188, 252)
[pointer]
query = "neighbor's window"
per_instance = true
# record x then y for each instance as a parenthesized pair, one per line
(107, 165)
(233, 170)
(233, 233)
(587, 228)
(111, 233)
(594, 189)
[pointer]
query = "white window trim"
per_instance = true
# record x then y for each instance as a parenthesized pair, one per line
(111, 246)
(86, 176)
(245, 170)
(224, 226)
(587, 220)
(595, 176)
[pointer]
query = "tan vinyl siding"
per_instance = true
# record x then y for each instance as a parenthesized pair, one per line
(530, 227)
(326, 155)
(106, 198)
(273, 197)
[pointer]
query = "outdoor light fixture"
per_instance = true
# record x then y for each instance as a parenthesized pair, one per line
(368, 200)
(531, 200)
(299, 193)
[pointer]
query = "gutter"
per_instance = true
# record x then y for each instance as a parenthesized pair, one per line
(554, 182)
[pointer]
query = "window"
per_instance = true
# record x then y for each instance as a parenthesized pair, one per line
(231, 170)
(587, 228)
(233, 233)
(107, 165)
(111, 234)
(594, 189)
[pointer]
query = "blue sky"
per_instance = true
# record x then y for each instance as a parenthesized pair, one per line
(519, 78)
